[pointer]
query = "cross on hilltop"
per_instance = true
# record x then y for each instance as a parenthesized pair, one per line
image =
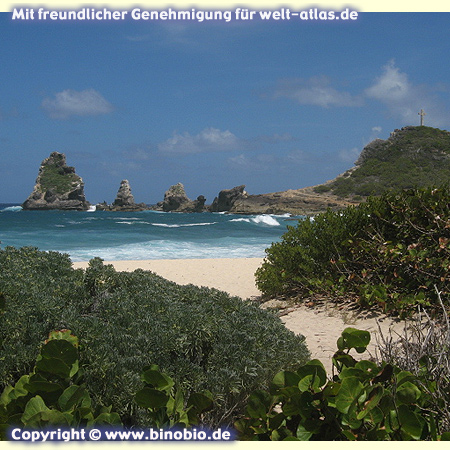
(421, 114)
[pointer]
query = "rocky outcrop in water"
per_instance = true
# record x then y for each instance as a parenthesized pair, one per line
(227, 198)
(57, 187)
(293, 201)
(176, 200)
(124, 200)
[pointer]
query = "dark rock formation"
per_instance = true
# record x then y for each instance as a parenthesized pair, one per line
(176, 200)
(227, 198)
(57, 187)
(124, 200)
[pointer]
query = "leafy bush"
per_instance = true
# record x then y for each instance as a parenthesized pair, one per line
(203, 338)
(50, 394)
(390, 251)
(166, 404)
(363, 401)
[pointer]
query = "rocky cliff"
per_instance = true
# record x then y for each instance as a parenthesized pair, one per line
(294, 201)
(57, 187)
(124, 200)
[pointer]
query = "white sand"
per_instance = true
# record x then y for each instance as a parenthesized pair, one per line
(321, 325)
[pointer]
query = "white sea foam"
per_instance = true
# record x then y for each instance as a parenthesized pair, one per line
(168, 225)
(241, 219)
(263, 218)
(267, 220)
(166, 249)
(92, 208)
(12, 209)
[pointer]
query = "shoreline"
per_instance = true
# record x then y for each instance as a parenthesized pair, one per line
(321, 324)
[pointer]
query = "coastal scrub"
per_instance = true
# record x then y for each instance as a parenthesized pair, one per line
(202, 338)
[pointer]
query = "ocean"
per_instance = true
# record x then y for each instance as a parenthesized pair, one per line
(141, 235)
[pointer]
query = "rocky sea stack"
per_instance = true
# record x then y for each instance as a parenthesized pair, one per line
(176, 200)
(57, 187)
(124, 200)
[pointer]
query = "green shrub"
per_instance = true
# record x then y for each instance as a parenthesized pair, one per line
(363, 401)
(390, 251)
(165, 403)
(202, 338)
(51, 394)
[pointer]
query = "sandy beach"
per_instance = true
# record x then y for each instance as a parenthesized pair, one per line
(321, 324)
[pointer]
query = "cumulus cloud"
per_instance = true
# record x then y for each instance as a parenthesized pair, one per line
(208, 140)
(315, 91)
(404, 99)
(76, 103)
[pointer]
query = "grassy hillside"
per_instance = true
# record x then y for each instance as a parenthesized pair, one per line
(412, 157)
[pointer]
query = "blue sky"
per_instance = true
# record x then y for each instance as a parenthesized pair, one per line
(272, 105)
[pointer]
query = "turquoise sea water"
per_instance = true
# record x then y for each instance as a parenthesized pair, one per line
(141, 235)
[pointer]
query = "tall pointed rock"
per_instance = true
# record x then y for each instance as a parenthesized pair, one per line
(57, 187)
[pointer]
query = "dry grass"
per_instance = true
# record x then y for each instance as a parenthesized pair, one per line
(424, 349)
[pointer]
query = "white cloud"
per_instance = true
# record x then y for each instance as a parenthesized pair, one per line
(208, 140)
(76, 103)
(404, 100)
(349, 155)
(315, 91)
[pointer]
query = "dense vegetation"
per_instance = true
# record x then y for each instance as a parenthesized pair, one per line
(391, 251)
(362, 401)
(55, 178)
(412, 157)
(203, 338)
(51, 393)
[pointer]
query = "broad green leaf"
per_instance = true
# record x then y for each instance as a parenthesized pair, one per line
(60, 349)
(277, 421)
(53, 366)
(107, 419)
(368, 367)
(42, 386)
(341, 360)
(375, 396)
(349, 435)
(404, 376)
(157, 379)
(408, 393)
(285, 378)
(303, 434)
(312, 376)
(71, 397)
(151, 398)
(64, 335)
(200, 401)
(374, 416)
(33, 410)
(258, 404)
(350, 390)
(54, 417)
(410, 422)
(353, 338)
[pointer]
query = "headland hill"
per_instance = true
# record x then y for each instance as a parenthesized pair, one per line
(413, 156)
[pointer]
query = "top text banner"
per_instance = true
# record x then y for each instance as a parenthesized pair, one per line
(256, 5)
